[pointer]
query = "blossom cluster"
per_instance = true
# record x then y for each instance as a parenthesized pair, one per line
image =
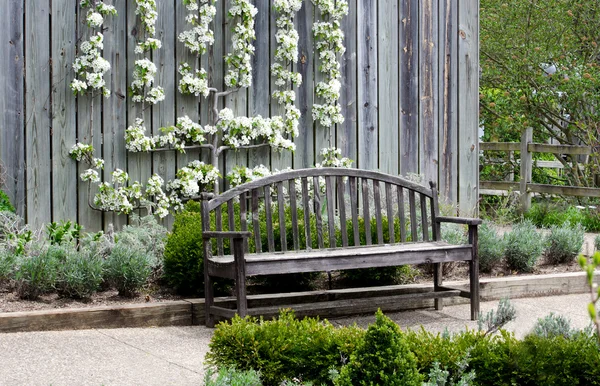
(241, 174)
(332, 157)
(184, 132)
(200, 36)
(90, 67)
(95, 15)
(192, 179)
(329, 42)
(239, 73)
(193, 83)
(143, 78)
(244, 131)
(142, 87)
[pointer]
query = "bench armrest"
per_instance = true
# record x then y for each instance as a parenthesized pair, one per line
(225, 234)
(459, 220)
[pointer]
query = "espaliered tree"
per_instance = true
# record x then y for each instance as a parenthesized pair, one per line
(225, 131)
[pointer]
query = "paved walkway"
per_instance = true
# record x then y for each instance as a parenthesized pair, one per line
(174, 355)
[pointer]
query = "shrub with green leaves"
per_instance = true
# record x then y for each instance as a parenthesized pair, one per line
(283, 348)
(490, 247)
(183, 256)
(383, 357)
(65, 232)
(564, 243)
(229, 376)
(5, 204)
(36, 274)
(79, 275)
(128, 269)
(7, 264)
(523, 247)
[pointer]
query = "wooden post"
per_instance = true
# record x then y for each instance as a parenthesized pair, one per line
(526, 162)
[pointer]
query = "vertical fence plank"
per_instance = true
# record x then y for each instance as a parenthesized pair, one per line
(346, 131)
(115, 108)
(258, 94)
(12, 138)
(468, 106)
(186, 104)
(448, 59)
(64, 109)
(368, 129)
(163, 113)
(139, 165)
(387, 64)
(304, 155)
(409, 83)
(428, 85)
(37, 114)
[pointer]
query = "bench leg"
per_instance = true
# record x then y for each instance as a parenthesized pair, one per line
(437, 282)
(209, 301)
(474, 272)
(240, 277)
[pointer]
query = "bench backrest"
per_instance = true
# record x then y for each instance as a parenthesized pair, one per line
(342, 196)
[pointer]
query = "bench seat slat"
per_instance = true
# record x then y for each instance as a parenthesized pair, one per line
(352, 257)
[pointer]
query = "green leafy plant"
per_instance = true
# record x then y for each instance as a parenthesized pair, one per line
(564, 243)
(439, 376)
(589, 268)
(79, 275)
(5, 204)
(229, 376)
(36, 274)
(283, 348)
(597, 243)
(493, 321)
(128, 269)
(383, 357)
(490, 247)
(523, 247)
(7, 264)
(63, 232)
(553, 325)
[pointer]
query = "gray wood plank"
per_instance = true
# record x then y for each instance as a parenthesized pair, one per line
(12, 135)
(408, 84)
(428, 86)
(38, 114)
(330, 194)
(387, 67)
(390, 212)
(468, 107)
(367, 85)
(341, 187)
(269, 214)
(258, 94)
(64, 111)
(164, 113)
(219, 227)
(377, 201)
(115, 108)
(243, 218)
(401, 215)
(304, 155)
(318, 206)
(294, 213)
(346, 132)
(306, 209)
(256, 221)
(447, 101)
(424, 222)
(281, 209)
(413, 215)
(354, 209)
(366, 210)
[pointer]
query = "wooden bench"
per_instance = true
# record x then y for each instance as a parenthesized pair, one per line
(233, 243)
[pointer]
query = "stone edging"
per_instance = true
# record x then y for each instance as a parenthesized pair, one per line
(327, 304)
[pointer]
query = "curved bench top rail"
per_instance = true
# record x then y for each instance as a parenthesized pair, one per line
(316, 172)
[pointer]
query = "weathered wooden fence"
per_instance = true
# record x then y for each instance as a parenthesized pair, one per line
(409, 96)
(524, 186)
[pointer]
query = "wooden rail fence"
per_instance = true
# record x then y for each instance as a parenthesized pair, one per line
(524, 186)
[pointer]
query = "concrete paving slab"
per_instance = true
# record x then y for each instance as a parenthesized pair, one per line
(175, 355)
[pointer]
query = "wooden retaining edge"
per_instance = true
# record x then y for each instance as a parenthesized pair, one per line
(327, 304)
